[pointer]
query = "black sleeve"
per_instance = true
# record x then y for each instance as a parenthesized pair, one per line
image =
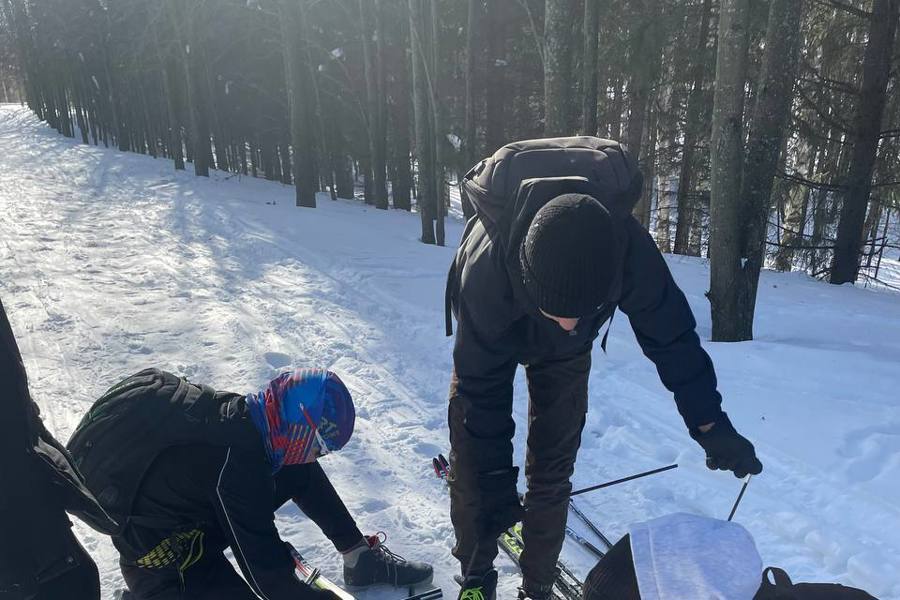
(481, 392)
(18, 426)
(665, 328)
(311, 490)
(244, 495)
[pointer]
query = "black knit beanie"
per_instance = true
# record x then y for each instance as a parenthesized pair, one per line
(613, 578)
(568, 256)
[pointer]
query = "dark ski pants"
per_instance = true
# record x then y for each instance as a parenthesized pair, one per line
(213, 577)
(557, 391)
(74, 576)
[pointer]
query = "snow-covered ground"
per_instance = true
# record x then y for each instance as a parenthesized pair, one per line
(112, 262)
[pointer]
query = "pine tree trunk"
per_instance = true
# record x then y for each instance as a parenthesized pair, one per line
(589, 71)
(496, 88)
(401, 181)
(298, 75)
(726, 161)
(876, 71)
(424, 142)
(685, 201)
(770, 119)
(646, 47)
(473, 18)
(642, 209)
(557, 54)
(373, 62)
(441, 194)
(797, 207)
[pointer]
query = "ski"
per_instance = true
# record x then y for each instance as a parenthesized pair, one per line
(566, 587)
(590, 524)
(314, 578)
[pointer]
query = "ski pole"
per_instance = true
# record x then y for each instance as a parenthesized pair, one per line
(589, 523)
(740, 496)
(623, 480)
(589, 546)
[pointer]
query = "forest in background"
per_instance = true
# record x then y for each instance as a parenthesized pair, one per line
(768, 131)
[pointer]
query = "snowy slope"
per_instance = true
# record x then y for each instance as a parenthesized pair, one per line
(112, 262)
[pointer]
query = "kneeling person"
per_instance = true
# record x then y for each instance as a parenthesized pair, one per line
(193, 471)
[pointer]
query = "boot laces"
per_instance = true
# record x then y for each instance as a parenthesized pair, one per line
(376, 544)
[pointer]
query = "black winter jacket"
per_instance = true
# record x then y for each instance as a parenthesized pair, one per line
(38, 480)
(499, 327)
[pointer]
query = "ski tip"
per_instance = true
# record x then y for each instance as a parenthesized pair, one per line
(444, 462)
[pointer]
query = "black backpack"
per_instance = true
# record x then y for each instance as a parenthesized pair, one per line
(507, 188)
(136, 419)
(784, 589)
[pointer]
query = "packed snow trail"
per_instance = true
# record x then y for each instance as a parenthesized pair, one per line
(112, 262)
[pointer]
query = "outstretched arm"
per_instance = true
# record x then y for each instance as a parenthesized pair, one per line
(666, 331)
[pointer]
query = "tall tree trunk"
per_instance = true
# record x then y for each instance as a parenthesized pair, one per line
(685, 201)
(726, 157)
(770, 119)
(797, 207)
(644, 63)
(441, 194)
(401, 93)
(589, 71)
(298, 75)
(473, 18)
(426, 201)
(642, 208)
(370, 12)
(872, 98)
(170, 89)
(557, 55)
(496, 89)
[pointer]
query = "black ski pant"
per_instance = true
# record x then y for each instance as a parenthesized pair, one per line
(212, 576)
(72, 576)
(557, 391)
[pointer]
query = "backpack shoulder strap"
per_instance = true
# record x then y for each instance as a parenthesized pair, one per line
(778, 587)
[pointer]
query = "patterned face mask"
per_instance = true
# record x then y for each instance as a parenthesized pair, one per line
(302, 416)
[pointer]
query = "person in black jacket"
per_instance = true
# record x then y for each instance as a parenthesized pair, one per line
(215, 481)
(40, 558)
(541, 268)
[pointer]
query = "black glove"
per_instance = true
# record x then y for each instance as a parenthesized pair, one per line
(500, 506)
(727, 450)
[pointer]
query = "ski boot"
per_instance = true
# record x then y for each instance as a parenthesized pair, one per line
(377, 565)
(479, 587)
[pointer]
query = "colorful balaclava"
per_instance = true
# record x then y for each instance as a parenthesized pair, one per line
(293, 407)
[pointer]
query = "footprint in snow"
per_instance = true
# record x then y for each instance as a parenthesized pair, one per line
(277, 360)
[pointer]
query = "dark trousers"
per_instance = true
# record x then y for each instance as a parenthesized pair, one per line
(557, 392)
(212, 577)
(72, 576)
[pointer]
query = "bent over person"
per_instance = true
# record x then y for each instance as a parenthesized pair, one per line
(196, 471)
(551, 254)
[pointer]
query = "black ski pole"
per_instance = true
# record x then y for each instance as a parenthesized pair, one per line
(590, 524)
(740, 496)
(623, 480)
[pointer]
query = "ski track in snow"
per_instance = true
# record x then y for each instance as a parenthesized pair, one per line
(112, 262)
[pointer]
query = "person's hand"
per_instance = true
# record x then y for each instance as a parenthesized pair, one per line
(500, 506)
(726, 449)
